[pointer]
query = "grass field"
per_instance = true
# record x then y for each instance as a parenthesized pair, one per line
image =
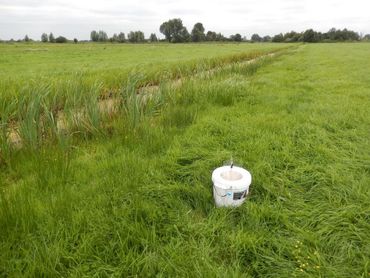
(130, 194)
(84, 65)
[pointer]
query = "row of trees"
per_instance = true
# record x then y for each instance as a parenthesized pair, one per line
(133, 36)
(175, 32)
(50, 38)
(310, 35)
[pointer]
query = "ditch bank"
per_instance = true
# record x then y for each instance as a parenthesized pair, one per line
(110, 103)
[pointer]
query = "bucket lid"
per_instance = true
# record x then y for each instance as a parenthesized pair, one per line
(234, 178)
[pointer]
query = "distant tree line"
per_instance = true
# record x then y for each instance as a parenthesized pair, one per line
(133, 37)
(50, 38)
(175, 32)
(333, 35)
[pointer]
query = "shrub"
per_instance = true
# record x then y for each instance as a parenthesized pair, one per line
(61, 39)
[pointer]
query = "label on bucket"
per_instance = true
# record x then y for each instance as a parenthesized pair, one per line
(239, 195)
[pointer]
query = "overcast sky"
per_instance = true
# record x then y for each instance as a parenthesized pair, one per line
(76, 18)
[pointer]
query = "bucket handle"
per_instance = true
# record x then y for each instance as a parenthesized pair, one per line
(247, 192)
(214, 187)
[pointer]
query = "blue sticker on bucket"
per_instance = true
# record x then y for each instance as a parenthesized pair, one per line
(229, 194)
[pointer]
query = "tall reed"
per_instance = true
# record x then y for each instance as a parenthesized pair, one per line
(7, 108)
(136, 104)
(30, 111)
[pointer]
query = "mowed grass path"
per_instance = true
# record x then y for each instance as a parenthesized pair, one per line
(139, 201)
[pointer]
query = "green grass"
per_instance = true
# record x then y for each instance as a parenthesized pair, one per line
(135, 197)
(110, 64)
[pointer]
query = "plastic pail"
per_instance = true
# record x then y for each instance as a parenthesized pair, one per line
(230, 185)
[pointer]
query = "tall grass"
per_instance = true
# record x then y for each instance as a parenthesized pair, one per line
(133, 104)
(7, 107)
(74, 104)
(83, 116)
(139, 202)
(30, 111)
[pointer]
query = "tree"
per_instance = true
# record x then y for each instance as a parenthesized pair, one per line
(136, 36)
(256, 38)
(51, 37)
(102, 36)
(174, 30)
(292, 36)
(278, 38)
(140, 37)
(121, 37)
(211, 36)
(330, 35)
(366, 37)
(236, 38)
(44, 37)
(348, 35)
(182, 36)
(220, 37)
(61, 39)
(266, 39)
(309, 36)
(153, 38)
(75, 40)
(131, 36)
(26, 38)
(94, 36)
(166, 30)
(114, 38)
(197, 34)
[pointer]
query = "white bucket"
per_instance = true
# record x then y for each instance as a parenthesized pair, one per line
(230, 186)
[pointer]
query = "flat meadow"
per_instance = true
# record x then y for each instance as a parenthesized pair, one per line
(32, 65)
(127, 192)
